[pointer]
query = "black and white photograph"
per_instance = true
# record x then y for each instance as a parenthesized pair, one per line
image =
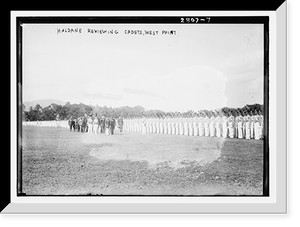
(143, 106)
(162, 112)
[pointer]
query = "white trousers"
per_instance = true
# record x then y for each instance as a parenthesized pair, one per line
(90, 128)
(201, 130)
(240, 130)
(95, 128)
(206, 129)
(224, 130)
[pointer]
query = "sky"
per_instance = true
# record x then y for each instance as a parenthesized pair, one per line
(199, 66)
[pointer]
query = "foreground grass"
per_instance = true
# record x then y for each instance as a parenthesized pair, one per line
(59, 162)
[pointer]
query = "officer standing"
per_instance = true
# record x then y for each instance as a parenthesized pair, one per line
(72, 123)
(112, 125)
(107, 126)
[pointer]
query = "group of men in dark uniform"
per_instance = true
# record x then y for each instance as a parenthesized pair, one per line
(95, 125)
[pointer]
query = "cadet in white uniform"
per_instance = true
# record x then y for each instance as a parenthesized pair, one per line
(218, 125)
(247, 126)
(195, 125)
(251, 117)
(177, 125)
(155, 124)
(144, 127)
(224, 121)
(256, 126)
(185, 126)
(181, 125)
(130, 124)
(240, 122)
(150, 124)
(190, 125)
(201, 124)
(165, 123)
(161, 125)
(212, 127)
(261, 120)
(231, 125)
(169, 125)
(206, 124)
(172, 125)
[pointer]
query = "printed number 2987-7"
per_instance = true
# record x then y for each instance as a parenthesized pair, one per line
(194, 19)
(189, 19)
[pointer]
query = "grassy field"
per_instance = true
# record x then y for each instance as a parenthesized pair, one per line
(59, 162)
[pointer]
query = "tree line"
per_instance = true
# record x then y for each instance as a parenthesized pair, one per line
(64, 112)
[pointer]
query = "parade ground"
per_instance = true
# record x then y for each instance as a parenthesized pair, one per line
(56, 161)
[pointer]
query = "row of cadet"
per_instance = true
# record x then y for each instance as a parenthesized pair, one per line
(248, 126)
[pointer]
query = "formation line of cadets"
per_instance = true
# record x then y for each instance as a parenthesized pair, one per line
(242, 125)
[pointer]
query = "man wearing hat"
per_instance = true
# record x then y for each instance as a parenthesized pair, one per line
(72, 123)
